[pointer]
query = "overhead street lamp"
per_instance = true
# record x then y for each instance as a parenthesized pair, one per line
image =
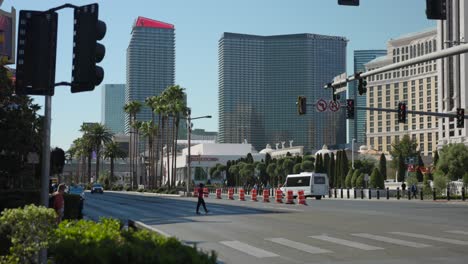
(189, 132)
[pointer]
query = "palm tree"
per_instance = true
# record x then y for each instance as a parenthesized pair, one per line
(99, 134)
(87, 147)
(132, 108)
(148, 131)
(177, 107)
(151, 103)
(161, 110)
(113, 151)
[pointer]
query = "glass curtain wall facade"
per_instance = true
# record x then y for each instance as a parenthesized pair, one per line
(260, 78)
(150, 64)
(112, 113)
(357, 127)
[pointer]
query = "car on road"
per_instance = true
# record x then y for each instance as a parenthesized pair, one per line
(97, 188)
(313, 184)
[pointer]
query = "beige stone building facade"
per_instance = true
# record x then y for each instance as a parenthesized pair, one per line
(416, 85)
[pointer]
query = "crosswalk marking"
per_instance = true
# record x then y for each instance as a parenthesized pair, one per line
(298, 246)
(458, 232)
(392, 240)
(248, 249)
(441, 239)
(346, 242)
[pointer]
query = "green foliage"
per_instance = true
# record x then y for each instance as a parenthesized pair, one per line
(297, 168)
(271, 170)
(331, 169)
(376, 180)
(105, 242)
(355, 177)
(383, 166)
(427, 190)
(453, 161)
(360, 181)
(365, 164)
(249, 158)
(411, 179)
(30, 227)
(348, 180)
(406, 148)
(57, 161)
(440, 183)
(267, 159)
(436, 158)
(308, 158)
(465, 180)
(307, 165)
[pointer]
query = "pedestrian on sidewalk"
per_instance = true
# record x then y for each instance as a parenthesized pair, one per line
(201, 201)
(414, 190)
(59, 202)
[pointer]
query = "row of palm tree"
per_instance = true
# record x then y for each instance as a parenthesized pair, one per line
(98, 139)
(170, 108)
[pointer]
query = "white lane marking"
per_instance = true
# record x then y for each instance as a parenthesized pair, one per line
(347, 243)
(248, 249)
(441, 239)
(458, 232)
(298, 246)
(392, 240)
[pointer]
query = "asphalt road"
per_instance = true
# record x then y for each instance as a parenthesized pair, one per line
(326, 231)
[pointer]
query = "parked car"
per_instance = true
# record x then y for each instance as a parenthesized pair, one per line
(97, 188)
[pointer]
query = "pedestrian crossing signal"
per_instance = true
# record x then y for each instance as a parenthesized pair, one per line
(460, 117)
(349, 109)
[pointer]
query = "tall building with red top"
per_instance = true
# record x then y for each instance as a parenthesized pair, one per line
(150, 63)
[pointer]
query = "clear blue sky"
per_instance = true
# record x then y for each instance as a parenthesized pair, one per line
(199, 25)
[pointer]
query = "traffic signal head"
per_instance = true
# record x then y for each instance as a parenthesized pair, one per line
(301, 105)
(362, 86)
(402, 112)
(86, 51)
(436, 9)
(335, 96)
(36, 52)
(348, 2)
(460, 117)
(349, 108)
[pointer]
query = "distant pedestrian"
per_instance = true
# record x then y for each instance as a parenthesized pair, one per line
(201, 201)
(59, 202)
(414, 189)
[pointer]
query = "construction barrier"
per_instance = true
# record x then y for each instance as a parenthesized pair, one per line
(231, 193)
(266, 196)
(279, 196)
(206, 193)
(241, 195)
(218, 193)
(254, 195)
(301, 198)
(290, 197)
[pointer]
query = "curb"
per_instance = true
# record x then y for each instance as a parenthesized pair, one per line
(146, 193)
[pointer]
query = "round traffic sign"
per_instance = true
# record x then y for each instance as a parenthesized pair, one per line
(334, 105)
(321, 105)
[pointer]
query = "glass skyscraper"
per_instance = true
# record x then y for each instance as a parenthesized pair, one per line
(357, 127)
(150, 63)
(260, 78)
(112, 113)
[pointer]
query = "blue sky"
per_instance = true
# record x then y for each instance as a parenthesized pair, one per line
(199, 25)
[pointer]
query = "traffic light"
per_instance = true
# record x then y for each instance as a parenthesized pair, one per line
(348, 2)
(460, 118)
(436, 9)
(349, 108)
(362, 86)
(36, 51)
(301, 105)
(86, 51)
(335, 96)
(402, 112)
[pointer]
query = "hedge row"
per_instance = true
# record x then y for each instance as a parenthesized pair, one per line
(87, 241)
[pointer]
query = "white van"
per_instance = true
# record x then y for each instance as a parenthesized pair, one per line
(313, 184)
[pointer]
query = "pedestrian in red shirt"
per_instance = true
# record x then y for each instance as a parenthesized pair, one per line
(200, 199)
(59, 203)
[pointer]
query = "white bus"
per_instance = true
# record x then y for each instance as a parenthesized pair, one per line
(313, 184)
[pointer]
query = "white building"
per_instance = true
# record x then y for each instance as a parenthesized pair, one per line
(453, 76)
(205, 156)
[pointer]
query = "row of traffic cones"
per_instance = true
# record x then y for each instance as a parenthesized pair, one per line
(266, 195)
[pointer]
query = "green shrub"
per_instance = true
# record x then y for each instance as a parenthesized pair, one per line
(348, 178)
(355, 177)
(72, 206)
(105, 242)
(360, 181)
(30, 227)
(440, 183)
(376, 180)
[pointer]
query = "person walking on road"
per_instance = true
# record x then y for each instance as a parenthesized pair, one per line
(201, 201)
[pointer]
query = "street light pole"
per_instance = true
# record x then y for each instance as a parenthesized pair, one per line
(189, 132)
(352, 153)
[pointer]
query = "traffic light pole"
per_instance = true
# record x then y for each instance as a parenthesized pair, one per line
(428, 57)
(441, 115)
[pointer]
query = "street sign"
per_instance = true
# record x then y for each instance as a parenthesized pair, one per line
(321, 105)
(334, 105)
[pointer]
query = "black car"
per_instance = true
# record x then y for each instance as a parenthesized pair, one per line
(97, 188)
